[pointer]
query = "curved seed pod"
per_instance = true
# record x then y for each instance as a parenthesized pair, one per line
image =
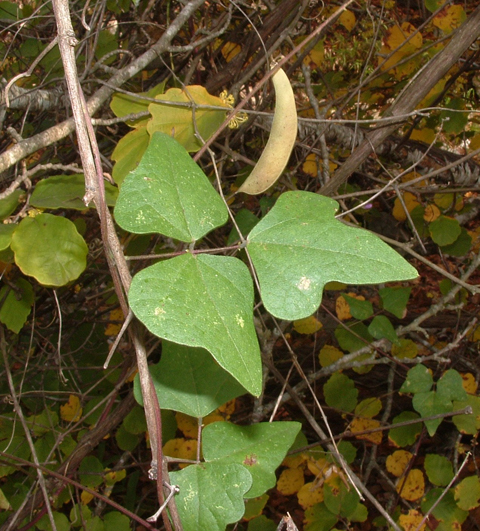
(280, 143)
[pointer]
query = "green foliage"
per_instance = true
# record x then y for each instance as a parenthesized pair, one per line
(188, 380)
(50, 249)
(17, 304)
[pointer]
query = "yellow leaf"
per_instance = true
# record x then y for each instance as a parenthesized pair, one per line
(113, 329)
(335, 286)
(329, 354)
(290, 481)
(72, 410)
(474, 143)
(360, 424)
(228, 408)
(398, 461)
(411, 521)
(406, 348)
(469, 383)
(182, 449)
(432, 95)
(309, 325)
(411, 176)
(86, 497)
(294, 461)
(310, 494)
(432, 212)
(412, 487)
(342, 309)
(395, 41)
(115, 476)
(410, 201)
(347, 20)
(423, 135)
(310, 166)
(318, 467)
(230, 50)
(368, 408)
(450, 18)
(187, 425)
(475, 336)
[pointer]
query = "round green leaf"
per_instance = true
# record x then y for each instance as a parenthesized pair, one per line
(405, 435)
(6, 232)
(50, 249)
(460, 246)
(168, 193)
(9, 204)
(450, 386)
(395, 300)
(439, 469)
(469, 424)
(467, 493)
(381, 327)
(203, 301)
(444, 230)
(299, 246)
(418, 380)
(91, 471)
(340, 392)
(211, 495)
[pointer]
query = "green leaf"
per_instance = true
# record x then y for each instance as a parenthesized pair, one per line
(16, 305)
(340, 499)
(211, 495)
(450, 386)
(340, 392)
(369, 408)
(123, 104)
(6, 232)
(299, 246)
(90, 472)
(260, 448)
(66, 191)
(431, 403)
(183, 122)
(348, 338)
(189, 380)
(168, 193)
(359, 309)
(418, 380)
(129, 152)
(467, 493)
(319, 518)
(10, 11)
(439, 469)
(135, 422)
(203, 301)
(261, 523)
(50, 249)
(460, 246)
(404, 348)
(381, 327)
(446, 510)
(116, 521)
(61, 522)
(9, 204)
(405, 435)
(395, 300)
(444, 231)
(468, 424)
(455, 122)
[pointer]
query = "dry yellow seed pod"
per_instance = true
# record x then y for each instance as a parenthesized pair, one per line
(280, 143)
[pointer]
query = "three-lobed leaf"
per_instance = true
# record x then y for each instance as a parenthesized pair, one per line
(299, 246)
(203, 301)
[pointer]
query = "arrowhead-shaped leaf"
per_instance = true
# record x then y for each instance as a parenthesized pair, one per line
(211, 495)
(168, 193)
(203, 301)
(50, 249)
(260, 448)
(299, 246)
(189, 380)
